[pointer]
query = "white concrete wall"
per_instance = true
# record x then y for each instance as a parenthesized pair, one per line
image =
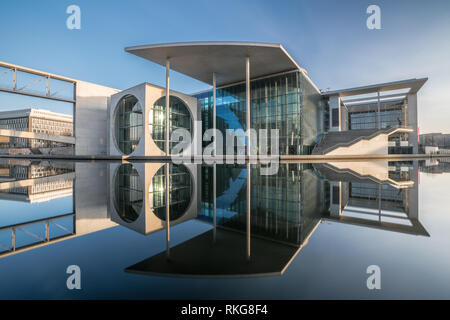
(376, 145)
(412, 122)
(90, 118)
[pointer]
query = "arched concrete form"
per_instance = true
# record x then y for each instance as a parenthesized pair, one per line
(151, 179)
(179, 118)
(128, 193)
(180, 192)
(128, 124)
(147, 97)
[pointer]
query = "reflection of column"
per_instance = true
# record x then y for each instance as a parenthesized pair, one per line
(214, 200)
(167, 211)
(167, 105)
(248, 209)
(413, 193)
(379, 202)
(412, 121)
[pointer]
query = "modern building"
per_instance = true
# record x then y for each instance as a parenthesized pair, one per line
(253, 86)
(39, 123)
(260, 86)
(35, 182)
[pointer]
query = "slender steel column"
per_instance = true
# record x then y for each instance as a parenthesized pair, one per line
(214, 112)
(247, 100)
(167, 211)
(167, 106)
(215, 153)
(378, 110)
(249, 207)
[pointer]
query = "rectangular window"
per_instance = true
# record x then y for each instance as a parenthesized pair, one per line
(335, 117)
(336, 197)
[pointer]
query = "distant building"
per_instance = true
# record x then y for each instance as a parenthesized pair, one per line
(437, 139)
(36, 121)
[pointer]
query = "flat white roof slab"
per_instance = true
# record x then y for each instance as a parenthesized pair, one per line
(199, 60)
(413, 84)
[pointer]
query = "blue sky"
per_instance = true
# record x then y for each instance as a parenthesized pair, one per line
(328, 38)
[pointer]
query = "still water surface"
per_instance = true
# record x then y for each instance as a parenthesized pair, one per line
(309, 231)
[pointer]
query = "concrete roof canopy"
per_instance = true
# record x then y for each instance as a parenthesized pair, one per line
(199, 60)
(413, 84)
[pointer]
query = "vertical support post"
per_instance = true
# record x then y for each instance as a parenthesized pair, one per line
(214, 113)
(47, 86)
(215, 153)
(378, 110)
(247, 101)
(167, 106)
(249, 207)
(15, 79)
(167, 169)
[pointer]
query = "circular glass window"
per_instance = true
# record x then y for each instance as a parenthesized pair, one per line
(179, 117)
(180, 191)
(128, 124)
(128, 193)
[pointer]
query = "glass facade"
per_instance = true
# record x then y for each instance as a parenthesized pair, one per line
(285, 207)
(180, 191)
(287, 102)
(391, 115)
(128, 193)
(128, 124)
(179, 117)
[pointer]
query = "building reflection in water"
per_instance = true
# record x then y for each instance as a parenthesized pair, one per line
(39, 184)
(257, 228)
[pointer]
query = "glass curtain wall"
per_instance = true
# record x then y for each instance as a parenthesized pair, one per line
(179, 117)
(128, 193)
(276, 103)
(284, 207)
(128, 124)
(391, 115)
(180, 191)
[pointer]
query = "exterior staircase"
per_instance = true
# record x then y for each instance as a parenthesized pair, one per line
(333, 140)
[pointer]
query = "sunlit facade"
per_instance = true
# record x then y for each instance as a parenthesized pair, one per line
(289, 103)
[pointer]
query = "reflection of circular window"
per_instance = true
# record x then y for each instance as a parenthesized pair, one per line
(180, 191)
(128, 193)
(179, 117)
(128, 124)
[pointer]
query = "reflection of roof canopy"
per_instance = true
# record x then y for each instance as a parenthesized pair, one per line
(199, 60)
(227, 257)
